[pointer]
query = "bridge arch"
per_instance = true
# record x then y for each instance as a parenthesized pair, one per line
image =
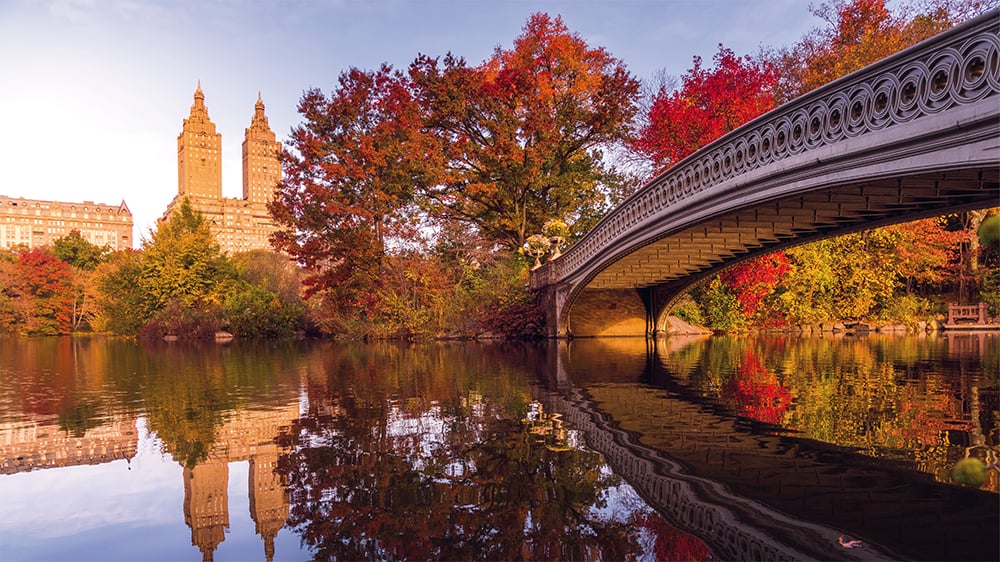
(912, 136)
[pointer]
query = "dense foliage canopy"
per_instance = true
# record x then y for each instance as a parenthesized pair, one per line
(408, 194)
(522, 132)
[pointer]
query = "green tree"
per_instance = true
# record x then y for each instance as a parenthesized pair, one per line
(176, 284)
(183, 261)
(722, 308)
(75, 250)
(122, 308)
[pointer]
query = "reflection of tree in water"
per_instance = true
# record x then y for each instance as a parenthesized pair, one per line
(185, 409)
(755, 391)
(80, 417)
(187, 391)
(444, 464)
(923, 400)
(670, 543)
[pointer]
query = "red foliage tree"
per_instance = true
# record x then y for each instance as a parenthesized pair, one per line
(522, 131)
(44, 284)
(710, 103)
(753, 280)
(350, 178)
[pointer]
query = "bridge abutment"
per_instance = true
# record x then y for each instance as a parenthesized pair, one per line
(608, 312)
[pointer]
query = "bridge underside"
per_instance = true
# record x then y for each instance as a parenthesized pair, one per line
(632, 294)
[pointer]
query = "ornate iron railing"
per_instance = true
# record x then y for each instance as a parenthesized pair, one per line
(958, 67)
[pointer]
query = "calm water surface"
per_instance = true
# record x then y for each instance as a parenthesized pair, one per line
(706, 449)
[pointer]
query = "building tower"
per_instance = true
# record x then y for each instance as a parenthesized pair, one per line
(261, 168)
(238, 224)
(199, 153)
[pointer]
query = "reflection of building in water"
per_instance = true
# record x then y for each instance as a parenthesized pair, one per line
(206, 505)
(247, 435)
(26, 446)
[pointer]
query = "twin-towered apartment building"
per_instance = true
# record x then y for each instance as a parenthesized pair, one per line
(239, 224)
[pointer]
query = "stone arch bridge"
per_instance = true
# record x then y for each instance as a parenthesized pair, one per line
(912, 136)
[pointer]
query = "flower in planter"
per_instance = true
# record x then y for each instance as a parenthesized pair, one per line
(535, 246)
(557, 231)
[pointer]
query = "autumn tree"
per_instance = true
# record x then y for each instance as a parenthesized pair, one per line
(847, 277)
(78, 252)
(10, 305)
(752, 281)
(350, 177)
(860, 32)
(179, 280)
(35, 294)
(83, 257)
(710, 103)
(927, 252)
(523, 131)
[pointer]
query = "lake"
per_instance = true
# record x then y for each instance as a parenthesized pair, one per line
(605, 449)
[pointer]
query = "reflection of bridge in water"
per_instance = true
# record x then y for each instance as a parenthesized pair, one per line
(700, 469)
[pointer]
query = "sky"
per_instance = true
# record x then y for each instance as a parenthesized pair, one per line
(93, 93)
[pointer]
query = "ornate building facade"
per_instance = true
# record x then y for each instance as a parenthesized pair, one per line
(239, 224)
(34, 223)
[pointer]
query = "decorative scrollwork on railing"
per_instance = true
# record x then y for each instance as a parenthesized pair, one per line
(957, 67)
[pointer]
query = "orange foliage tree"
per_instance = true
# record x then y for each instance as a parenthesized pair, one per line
(38, 288)
(523, 131)
(859, 33)
(927, 252)
(350, 179)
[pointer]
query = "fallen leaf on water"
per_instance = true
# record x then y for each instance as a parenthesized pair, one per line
(848, 544)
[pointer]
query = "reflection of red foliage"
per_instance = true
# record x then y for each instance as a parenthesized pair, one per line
(758, 393)
(671, 543)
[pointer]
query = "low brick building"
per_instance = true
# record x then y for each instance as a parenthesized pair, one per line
(34, 223)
